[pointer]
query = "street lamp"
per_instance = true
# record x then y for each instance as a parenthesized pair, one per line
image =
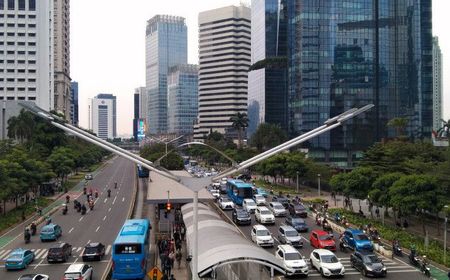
(297, 181)
(318, 183)
(445, 234)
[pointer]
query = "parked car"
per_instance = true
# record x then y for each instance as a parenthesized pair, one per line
(262, 236)
(19, 259)
(259, 199)
(241, 217)
(59, 253)
(249, 205)
(288, 235)
(50, 232)
(34, 277)
(298, 210)
(93, 251)
(281, 199)
(225, 203)
(79, 271)
(88, 176)
(298, 223)
(293, 262)
(277, 209)
(368, 263)
(357, 240)
(322, 240)
(264, 216)
(326, 263)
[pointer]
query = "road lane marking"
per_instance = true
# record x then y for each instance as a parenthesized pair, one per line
(109, 210)
(41, 254)
(70, 230)
(114, 199)
(39, 264)
(37, 252)
(81, 218)
(78, 249)
(106, 199)
(3, 255)
(107, 249)
(75, 261)
(123, 199)
(64, 264)
(104, 218)
(97, 229)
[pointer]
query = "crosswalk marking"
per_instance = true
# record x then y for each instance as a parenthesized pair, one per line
(36, 252)
(4, 254)
(42, 254)
(107, 249)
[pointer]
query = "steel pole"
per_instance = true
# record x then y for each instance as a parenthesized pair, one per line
(297, 181)
(445, 241)
(195, 241)
(318, 183)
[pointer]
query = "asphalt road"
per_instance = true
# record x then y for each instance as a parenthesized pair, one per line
(100, 225)
(398, 268)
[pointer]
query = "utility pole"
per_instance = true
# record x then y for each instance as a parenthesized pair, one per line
(318, 183)
(297, 181)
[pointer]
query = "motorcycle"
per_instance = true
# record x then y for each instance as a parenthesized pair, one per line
(96, 194)
(27, 236)
(91, 205)
(67, 199)
(64, 210)
(343, 246)
(419, 263)
(83, 210)
(84, 190)
(109, 193)
(327, 228)
(397, 250)
(33, 228)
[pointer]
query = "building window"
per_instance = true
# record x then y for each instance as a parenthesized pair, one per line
(31, 16)
(10, 16)
(32, 5)
(2, 4)
(21, 24)
(22, 5)
(31, 98)
(11, 5)
(11, 25)
(21, 43)
(21, 16)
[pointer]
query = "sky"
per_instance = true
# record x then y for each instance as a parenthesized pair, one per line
(108, 47)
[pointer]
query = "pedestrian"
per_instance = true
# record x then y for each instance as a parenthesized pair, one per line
(172, 245)
(23, 215)
(164, 277)
(176, 236)
(172, 258)
(172, 277)
(178, 257)
(167, 266)
(178, 245)
(183, 232)
(377, 212)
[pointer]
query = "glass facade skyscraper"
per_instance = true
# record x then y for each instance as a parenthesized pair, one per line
(182, 99)
(166, 46)
(267, 78)
(345, 54)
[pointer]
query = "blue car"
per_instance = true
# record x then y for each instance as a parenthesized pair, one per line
(298, 223)
(19, 259)
(357, 240)
(262, 192)
(50, 232)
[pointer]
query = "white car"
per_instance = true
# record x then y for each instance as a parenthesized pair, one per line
(216, 185)
(79, 271)
(264, 216)
(277, 209)
(293, 262)
(326, 263)
(259, 199)
(262, 236)
(225, 203)
(215, 193)
(34, 277)
(249, 205)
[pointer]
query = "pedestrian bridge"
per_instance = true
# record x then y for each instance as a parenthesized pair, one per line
(221, 244)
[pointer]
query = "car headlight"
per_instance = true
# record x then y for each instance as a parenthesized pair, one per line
(325, 270)
(368, 268)
(384, 268)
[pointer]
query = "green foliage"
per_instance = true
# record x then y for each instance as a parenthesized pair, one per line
(153, 152)
(239, 122)
(399, 124)
(277, 62)
(380, 188)
(267, 136)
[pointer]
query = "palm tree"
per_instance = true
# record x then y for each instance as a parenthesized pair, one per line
(399, 124)
(239, 122)
(21, 127)
(444, 130)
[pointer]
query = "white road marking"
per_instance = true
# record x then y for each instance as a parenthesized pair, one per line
(79, 249)
(41, 254)
(97, 229)
(4, 253)
(54, 264)
(123, 199)
(107, 249)
(109, 210)
(106, 199)
(81, 218)
(75, 261)
(37, 252)
(39, 264)
(104, 218)
(114, 199)
(70, 230)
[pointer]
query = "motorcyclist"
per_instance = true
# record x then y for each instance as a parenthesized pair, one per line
(67, 198)
(91, 205)
(33, 228)
(48, 220)
(27, 235)
(96, 194)
(115, 185)
(109, 193)
(83, 209)
(84, 190)
(64, 209)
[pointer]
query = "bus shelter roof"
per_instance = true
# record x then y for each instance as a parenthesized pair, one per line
(221, 243)
(160, 189)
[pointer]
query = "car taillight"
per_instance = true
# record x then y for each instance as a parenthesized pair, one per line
(143, 263)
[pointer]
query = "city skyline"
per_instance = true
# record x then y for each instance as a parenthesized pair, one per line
(93, 44)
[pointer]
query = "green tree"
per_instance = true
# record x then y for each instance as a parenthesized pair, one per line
(359, 183)
(379, 194)
(239, 122)
(399, 124)
(62, 162)
(338, 182)
(267, 136)
(21, 127)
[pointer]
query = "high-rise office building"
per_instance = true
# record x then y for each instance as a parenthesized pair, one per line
(26, 45)
(437, 85)
(102, 120)
(267, 78)
(345, 54)
(182, 98)
(61, 33)
(74, 102)
(224, 60)
(166, 46)
(140, 113)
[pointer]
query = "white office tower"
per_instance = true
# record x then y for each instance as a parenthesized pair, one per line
(102, 116)
(62, 57)
(26, 51)
(437, 85)
(224, 60)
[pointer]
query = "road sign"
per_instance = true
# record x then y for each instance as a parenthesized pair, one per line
(155, 274)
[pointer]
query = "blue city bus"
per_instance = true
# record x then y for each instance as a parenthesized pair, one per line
(238, 191)
(142, 171)
(130, 250)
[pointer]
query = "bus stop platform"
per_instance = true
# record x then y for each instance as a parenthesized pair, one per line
(162, 189)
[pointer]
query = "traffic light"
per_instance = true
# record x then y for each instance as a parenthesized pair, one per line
(168, 206)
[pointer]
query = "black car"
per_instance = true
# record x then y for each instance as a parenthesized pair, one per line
(59, 253)
(93, 251)
(298, 223)
(281, 199)
(368, 263)
(241, 217)
(298, 210)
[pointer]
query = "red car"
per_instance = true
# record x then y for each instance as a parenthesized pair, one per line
(322, 240)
